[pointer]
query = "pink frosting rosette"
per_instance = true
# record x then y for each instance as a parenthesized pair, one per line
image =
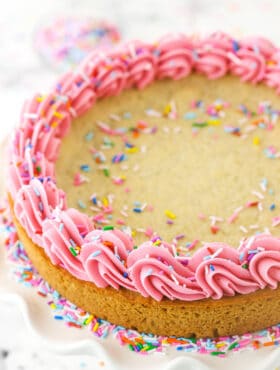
(29, 112)
(155, 272)
(47, 111)
(219, 273)
(272, 74)
(45, 141)
(260, 45)
(77, 91)
(53, 108)
(21, 171)
(63, 236)
(139, 62)
(219, 40)
(212, 59)
(107, 75)
(249, 60)
(175, 56)
(262, 256)
(34, 203)
(40, 138)
(104, 256)
(22, 135)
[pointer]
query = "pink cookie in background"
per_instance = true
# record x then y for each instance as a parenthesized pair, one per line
(65, 40)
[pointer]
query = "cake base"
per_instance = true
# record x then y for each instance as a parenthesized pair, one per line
(204, 318)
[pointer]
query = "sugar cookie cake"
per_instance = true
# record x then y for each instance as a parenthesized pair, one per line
(158, 208)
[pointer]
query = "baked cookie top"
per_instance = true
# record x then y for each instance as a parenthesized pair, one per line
(191, 162)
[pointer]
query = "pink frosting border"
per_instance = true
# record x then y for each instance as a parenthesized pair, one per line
(107, 257)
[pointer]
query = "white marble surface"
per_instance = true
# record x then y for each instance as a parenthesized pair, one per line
(22, 73)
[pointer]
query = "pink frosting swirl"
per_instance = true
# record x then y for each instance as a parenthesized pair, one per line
(212, 59)
(34, 203)
(22, 135)
(260, 45)
(53, 108)
(29, 111)
(249, 60)
(104, 255)
(106, 73)
(262, 256)
(140, 64)
(63, 236)
(22, 171)
(248, 66)
(223, 275)
(156, 273)
(219, 40)
(175, 56)
(219, 272)
(38, 138)
(45, 141)
(76, 89)
(41, 118)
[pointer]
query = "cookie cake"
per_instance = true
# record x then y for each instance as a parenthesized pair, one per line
(144, 185)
